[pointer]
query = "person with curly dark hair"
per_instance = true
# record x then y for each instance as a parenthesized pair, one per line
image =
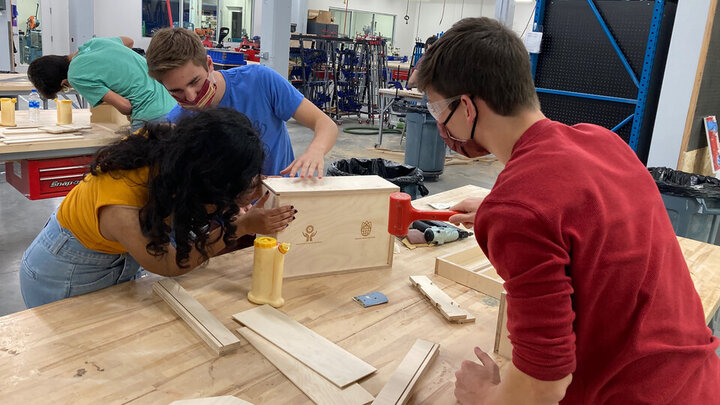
(166, 198)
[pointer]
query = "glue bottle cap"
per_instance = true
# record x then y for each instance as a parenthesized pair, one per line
(265, 242)
(284, 247)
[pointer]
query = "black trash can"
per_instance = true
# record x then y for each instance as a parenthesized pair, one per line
(408, 178)
(692, 202)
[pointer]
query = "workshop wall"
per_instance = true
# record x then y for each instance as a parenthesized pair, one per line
(112, 20)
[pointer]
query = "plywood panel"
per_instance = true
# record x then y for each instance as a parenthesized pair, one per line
(315, 351)
(399, 387)
(315, 386)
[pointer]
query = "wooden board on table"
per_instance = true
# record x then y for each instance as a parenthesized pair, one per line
(209, 328)
(470, 268)
(503, 346)
(61, 129)
(398, 388)
(315, 351)
(31, 139)
(223, 400)
(315, 386)
(447, 307)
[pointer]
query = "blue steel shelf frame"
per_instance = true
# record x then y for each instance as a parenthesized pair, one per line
(642, 83)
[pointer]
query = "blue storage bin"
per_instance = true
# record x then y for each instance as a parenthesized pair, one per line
(226, 58)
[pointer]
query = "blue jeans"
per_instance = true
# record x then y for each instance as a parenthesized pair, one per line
(57, 266)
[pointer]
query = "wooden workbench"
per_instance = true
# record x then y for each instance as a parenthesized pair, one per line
(99, 135)
(124, 345)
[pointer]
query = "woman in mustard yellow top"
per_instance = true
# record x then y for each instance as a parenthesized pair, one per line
(166, 199)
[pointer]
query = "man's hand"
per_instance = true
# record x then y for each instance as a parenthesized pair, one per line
(474, 381)
(257, 219)
(470, 207)
(308, 163)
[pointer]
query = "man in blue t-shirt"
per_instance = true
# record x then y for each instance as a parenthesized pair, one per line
(177, 59)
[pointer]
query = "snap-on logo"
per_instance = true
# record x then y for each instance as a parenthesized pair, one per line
(64, 183)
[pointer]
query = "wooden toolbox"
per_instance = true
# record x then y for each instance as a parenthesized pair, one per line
(470, 268)
(47, 178)
(341, 224)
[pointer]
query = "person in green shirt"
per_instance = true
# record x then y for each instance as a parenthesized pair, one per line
(105, 70)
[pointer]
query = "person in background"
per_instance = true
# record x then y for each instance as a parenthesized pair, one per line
(601, 308)
(105, 70)
(412, 83)
(166, 198)
(178, 60)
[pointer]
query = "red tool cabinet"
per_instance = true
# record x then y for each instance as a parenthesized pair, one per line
(47, 178)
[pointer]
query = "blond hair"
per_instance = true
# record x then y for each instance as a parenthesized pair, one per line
(171, 48)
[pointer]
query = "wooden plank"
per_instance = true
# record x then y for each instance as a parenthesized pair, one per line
(698, 82)
(315, 386)
(209, 328)
(470, 268)
(223, 400)
(13, 141)
(335, 185)
(447, 307)
(398, 388)
(503, 346)
(325, 357)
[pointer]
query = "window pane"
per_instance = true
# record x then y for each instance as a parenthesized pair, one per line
(384, 25)
(155, 15)
(339, 17)
(362, 21)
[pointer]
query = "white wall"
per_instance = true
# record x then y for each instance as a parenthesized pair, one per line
(5, 39)
(115, 18)
(679, 78)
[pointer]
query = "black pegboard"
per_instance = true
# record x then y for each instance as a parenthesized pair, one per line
(574, 110)
(577, 56)
(708, 102)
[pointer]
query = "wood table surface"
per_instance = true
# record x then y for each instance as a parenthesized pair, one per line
(99, 135)
(12, 82)
(125, 345)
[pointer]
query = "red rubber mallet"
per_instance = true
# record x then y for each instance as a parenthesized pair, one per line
(402, 214)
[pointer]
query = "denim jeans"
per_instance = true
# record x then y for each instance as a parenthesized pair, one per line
(57, 266)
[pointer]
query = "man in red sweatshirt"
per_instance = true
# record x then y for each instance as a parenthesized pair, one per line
(601, 307)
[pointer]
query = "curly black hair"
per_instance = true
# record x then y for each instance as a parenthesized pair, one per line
(210, 159)
(47, 72)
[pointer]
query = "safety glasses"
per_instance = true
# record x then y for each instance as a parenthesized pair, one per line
(436, 108)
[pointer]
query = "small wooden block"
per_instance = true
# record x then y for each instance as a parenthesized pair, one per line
(398, 388)
(503, 346)
(325, 357)
(447, 307)
(472, 269)
(223, 400)
(315, 386)
(209, 328)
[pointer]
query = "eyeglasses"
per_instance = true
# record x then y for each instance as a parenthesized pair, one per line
(436, 108)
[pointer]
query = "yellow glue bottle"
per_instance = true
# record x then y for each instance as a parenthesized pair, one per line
(268, 262)
(64, 112)
(7, 112)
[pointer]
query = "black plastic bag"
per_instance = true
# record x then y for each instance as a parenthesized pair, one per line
(397, 173)
(675, 182)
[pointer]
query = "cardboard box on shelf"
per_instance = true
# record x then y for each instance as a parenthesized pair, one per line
(320, 16)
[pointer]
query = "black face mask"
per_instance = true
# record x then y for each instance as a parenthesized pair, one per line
(466, 147)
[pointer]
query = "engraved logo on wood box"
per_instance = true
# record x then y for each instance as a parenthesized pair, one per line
(309, 233)
(366, 228)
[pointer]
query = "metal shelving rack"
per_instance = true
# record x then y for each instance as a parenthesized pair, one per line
(602, 62)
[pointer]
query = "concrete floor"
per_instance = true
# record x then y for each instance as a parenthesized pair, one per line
(21, 219)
